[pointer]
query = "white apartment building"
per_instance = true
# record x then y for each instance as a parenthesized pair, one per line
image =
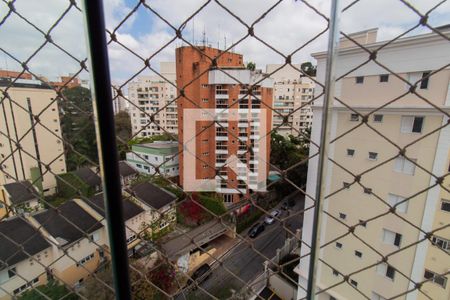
(153, 95)
(119, 102)
(408, 122)
(291, 94)
(40, 143)
(147, 157)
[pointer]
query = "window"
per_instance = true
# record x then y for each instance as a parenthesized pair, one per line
(338, 245)
(354, 283)
(10, 274)
(354, 117)
(205, 100)
(163, 224)
(402, 165)
(131, 238)
(342, 216)
(228, 198)
(85, 260)
(359, 79)
(445, 205)
(384, 78)
(425, 80)
(394, 199)
(411, 124)
(358, 253)
(393, 238)
(378, 118)
(373, 155)
(350, 152)
(386, 270)
(95, 236)
(376, 296)
(436, 278)
(441, 243)
(26, 286)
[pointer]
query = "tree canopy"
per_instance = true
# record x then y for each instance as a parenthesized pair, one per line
(78, 128)
(122, 123)
(251, 66)
(287, 152)
(308, 68)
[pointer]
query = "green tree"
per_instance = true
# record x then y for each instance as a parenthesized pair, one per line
(308, 68)
(52, 290)
(122, 122)
(251, 66)
(290, 151)
(78, 128)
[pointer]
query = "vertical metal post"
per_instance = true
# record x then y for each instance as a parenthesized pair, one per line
(330, 78)
(106, 137)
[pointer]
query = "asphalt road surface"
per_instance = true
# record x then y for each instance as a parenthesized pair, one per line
(246, 262)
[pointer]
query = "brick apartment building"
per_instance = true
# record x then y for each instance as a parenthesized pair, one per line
(221, 89)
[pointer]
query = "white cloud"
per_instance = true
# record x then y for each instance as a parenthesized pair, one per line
(288, 26)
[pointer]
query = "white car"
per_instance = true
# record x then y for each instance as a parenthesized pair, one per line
(271, 218)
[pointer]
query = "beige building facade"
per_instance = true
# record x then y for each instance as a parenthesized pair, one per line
(292, 94)
(154, 95)
(40, 143)
(404, 121)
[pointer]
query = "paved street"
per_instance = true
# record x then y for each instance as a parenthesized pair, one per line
(244, 261)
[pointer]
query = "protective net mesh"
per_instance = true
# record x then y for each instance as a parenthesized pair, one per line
(386, 195)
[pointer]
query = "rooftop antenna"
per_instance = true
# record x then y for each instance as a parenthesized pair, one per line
(193, 32)
(6, 62)
(204, 36)
(218, 38)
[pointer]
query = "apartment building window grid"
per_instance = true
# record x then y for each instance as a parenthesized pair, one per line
(424, 84)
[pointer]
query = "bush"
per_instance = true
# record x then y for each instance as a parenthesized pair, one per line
(200, 208)
(52, 290)
(157, 234)
(212, 203)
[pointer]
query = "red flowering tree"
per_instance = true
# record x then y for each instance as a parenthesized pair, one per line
(191, 212)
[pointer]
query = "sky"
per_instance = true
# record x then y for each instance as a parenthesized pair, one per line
(146, 33)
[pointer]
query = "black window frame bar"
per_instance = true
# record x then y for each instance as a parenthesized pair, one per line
(106, 139)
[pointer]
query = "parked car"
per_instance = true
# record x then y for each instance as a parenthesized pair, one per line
(199, 276)
(271, 217)
(256, 230)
